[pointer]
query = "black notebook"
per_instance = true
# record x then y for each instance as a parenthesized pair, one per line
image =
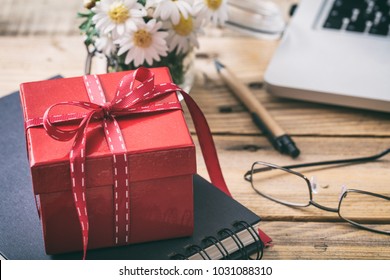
(224, 229)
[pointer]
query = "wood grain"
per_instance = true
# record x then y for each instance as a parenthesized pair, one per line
(236, 159)
(295, 117)
(39, 17)
(40, 57)
(25, 59)
(320, 241)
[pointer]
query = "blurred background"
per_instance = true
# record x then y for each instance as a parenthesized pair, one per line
(28, 28)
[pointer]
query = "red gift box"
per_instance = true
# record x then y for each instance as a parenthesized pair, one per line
(159, 156)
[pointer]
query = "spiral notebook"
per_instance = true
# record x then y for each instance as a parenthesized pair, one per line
(224, 228)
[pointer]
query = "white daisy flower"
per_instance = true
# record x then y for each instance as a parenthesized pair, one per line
(170, 9)
(183, 35)
(105, 44)
(212, 10)
(117, 16)
(145, 43)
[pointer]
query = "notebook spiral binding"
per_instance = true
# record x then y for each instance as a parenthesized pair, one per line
(215, 241)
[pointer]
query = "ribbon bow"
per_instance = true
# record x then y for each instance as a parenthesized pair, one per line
(131, 97)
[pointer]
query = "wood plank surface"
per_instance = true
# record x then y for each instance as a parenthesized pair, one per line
(39, 17)
(236, 159)
(295, 117)
(323, 241)
(309, 233)
(39, 57)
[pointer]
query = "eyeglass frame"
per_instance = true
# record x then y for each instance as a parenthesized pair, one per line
(288, 168)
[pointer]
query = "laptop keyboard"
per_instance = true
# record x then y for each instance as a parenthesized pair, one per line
(362, 16)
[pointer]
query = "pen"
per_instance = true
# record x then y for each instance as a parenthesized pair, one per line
(260, 116)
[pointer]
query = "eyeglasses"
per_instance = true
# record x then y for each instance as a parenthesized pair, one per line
(282, 184)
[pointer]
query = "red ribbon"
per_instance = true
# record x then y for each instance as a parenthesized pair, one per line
(129, 99)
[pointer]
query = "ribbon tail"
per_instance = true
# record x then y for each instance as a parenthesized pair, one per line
(77, 173)
(206, 144)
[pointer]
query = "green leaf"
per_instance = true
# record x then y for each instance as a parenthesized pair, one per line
(88, 14)
(83, 25)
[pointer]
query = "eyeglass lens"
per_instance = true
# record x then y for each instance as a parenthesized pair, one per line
(280, 185)
(367, 210)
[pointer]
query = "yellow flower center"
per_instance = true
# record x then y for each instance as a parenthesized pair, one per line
(213, 4)
(142, 38)
(184, 27)
(118, 12)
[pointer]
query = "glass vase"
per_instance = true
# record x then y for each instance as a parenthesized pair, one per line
(181, 66)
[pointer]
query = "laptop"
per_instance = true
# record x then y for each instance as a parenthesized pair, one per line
(335, 52)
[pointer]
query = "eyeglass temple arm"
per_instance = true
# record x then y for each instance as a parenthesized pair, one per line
(328, 162)
(351, 160)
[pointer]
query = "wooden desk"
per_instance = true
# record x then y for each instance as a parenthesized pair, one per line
(35, 51)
